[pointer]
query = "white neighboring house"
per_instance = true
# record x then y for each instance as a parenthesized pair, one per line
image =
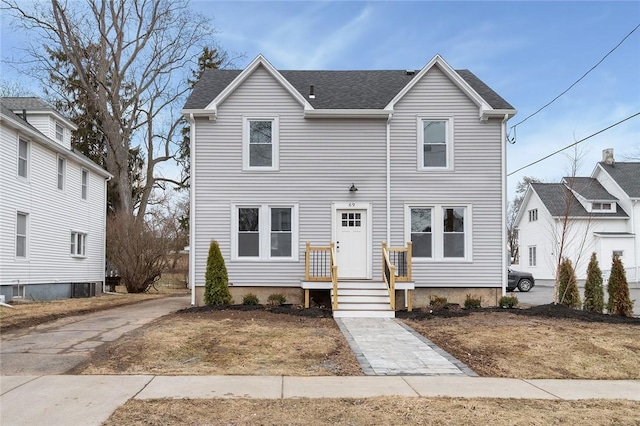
(354, 158)
(604, 215)
(52, 207)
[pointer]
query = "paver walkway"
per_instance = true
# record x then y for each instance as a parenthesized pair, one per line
(387, 347)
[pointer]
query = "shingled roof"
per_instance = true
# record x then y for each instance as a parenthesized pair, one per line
(589, 188)
(626, 175)
(337, 89)
(557, 198)
(26, 103)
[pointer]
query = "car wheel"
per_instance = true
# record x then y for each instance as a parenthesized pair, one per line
(524, 285)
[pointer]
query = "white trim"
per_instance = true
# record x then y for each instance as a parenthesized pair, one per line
(437, 231)
(27, 159)
(506, 256)
(368, 207)
(264, 231)
(346, 113)
(275, 142)
(64, 172)
(78, 236)
(26, 236)
(62, 132)
(449, 139)
(84, 186)
(192, 208)
(258, 61)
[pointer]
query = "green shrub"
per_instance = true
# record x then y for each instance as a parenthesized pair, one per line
(276, 299)
(568, 293)
(437, 302)
(472, 302)
(593, 290)
(216, 280)
(619, 302)
(508, 302)
(250, 299)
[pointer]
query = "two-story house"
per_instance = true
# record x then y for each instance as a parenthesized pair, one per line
(297, 172)
(597, 214)
(52, 206)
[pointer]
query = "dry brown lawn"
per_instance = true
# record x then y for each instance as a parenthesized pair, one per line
(30, 314)
(229, 342)
(502, 344)
(375, 411)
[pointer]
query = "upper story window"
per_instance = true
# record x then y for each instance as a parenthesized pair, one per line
(533, 215)
(21, 235)
(59, 132)
(85, 179)
(435, 143)
(602, 206)
(23, 158)
(260, 143)
(61, 172)
(78, 244)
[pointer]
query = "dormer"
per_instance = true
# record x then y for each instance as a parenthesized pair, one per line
(591, 194)
(43, 117)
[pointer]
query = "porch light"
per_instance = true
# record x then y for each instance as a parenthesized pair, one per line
(353, 188)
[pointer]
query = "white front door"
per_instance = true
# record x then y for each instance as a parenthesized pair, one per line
(351, 243)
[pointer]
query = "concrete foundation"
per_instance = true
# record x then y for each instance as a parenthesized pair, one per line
(294, 295)
(421, 297)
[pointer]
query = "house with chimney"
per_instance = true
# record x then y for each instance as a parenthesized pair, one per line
(602, 215)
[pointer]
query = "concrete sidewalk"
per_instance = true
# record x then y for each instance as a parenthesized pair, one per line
(90, 400)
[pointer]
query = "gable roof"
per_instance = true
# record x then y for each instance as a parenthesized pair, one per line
(589, 188)
(8, 116)
(626, 175)
(34, 104)
(557, 198)
(338, 89)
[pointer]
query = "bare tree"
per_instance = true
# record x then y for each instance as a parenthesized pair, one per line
(10, 89)
(130, 59)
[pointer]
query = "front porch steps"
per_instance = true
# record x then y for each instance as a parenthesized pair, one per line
(364, 299)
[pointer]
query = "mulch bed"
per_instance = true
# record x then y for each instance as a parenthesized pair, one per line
(287, 309)
(546, 311)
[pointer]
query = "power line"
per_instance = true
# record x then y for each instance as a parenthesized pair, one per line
(577, 81)
(575, 143)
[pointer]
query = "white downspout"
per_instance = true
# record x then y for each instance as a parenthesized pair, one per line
(503, 155)
(389, 179)
(635, 241)
(192, 210)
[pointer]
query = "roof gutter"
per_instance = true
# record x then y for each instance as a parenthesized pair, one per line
(486, 114)
(212, 114)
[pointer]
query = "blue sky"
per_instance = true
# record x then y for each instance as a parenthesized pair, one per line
(529, 52)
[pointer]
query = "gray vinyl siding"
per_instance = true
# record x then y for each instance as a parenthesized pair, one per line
(475, 180)
(319, 160)
(52, 215)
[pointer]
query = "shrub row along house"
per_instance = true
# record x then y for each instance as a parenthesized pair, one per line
(602, 215)
(302, 175)
(52, 207)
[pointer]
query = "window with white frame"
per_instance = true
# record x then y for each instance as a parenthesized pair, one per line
(265, 232)
(85, 179)
(61, 172)
(439, 232)
(619, 253)
(602, 206)
(533, 261)
(260, 143)
(59, 132)
(21, 235)
(533, 215)
(78, 244)
(23, 158)
(435, 143)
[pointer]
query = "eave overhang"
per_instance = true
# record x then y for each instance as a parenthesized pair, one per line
(347, 113)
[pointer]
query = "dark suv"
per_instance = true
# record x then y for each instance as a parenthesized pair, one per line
(522, 280)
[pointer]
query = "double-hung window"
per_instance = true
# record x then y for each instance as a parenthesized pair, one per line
(21, 235)
(533, 215)
(533, 261)
(435, 143)
(59, 132)
(85, 181)
(23, 158)
(78, 244)
(439, 232)
(61, 172)
(260, 143)
(265, 232)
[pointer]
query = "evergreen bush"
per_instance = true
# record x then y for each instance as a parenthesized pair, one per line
(276, 299)
(438, 302)
(508, 302)
(216, 280)
(619, 302)
(568, 293)
(250, 299)
(593, 290)
(472, 302)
